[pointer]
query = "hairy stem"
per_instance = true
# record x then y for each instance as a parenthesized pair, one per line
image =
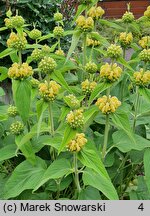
(136, 107)
(76, 179)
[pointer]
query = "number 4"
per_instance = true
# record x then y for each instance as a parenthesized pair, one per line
(141, 207)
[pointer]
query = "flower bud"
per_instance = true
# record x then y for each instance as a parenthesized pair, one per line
(141, 78)
(17, 128)
(12, 111)
(58, 16)
(17, 21)
(72, 101)
(47, 65)
(114, 51)
(60, 52)
(75, 118)
(88, 87)
(35, 34)
(108, 104)
(17, 71)
(144, 42)
(91, 67)
(17, 42)
(145, 55)
(58, 31)
(37, 54)
(125, 39)
(110, 72)
(128, 17)
(8, 23)
(34, 83)
(76, 144)
(49, 91)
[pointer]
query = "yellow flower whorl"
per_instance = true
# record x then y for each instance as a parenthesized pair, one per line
(88, 87)
(108, 104)
(141, 78)
(110, 72)
(22, 71)
(76, 144)
(75, 118)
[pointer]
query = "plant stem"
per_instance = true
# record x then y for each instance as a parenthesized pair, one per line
(105, 137)
(84, 54)
(106, 130)
(136, 107)
(51, 118)
(20, 57)
(77, 183)
(123, 81)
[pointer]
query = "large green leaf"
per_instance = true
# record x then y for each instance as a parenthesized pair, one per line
(3, 73)
(45, 37)
(57, 169)
(89, 193)
(7, 52)
(22, 97)
(122, 61)
(58, 77)
(145, 93)
(89, 115)
(125, 144)
(90, 158)
(68, 135)
(147, 167)
(7, 152)
(75, 39)
(111, 24)
(121, 121)
(100, 182)
(25, 176)
(98, 89)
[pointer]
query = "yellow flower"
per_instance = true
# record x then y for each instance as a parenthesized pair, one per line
(108, 104)
(47, 65)
(73, 102)
(16, 42)
(147, 12)
(75, 118)
(87, 86)
(114, 51)
(125, 38)
(110, 72)
(60, 52)
(49, 91)
(77, 144)
(85, 23)
(141, 78)
(95, 12)
(91, 67)
(92, 42)
(144, 42)
(17, 71)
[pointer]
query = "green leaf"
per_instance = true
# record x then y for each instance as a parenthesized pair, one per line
(57, 169)
(7, 152)
(89, 193)
(125, 144)
(100, 182)
(90, 158)
(125, 64)
(100, 38)
(68, 135)
(75, 39)
(45, 37)
(121, 121)
(3, 28)
(58, 77)
(26, 149)
(145, 93)
(3, 73)
(89, 115)
(14, 57)
(98, 89)
(7, 52)
(25, 176)
(22, 97)
(147, 167)
(111, 24)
